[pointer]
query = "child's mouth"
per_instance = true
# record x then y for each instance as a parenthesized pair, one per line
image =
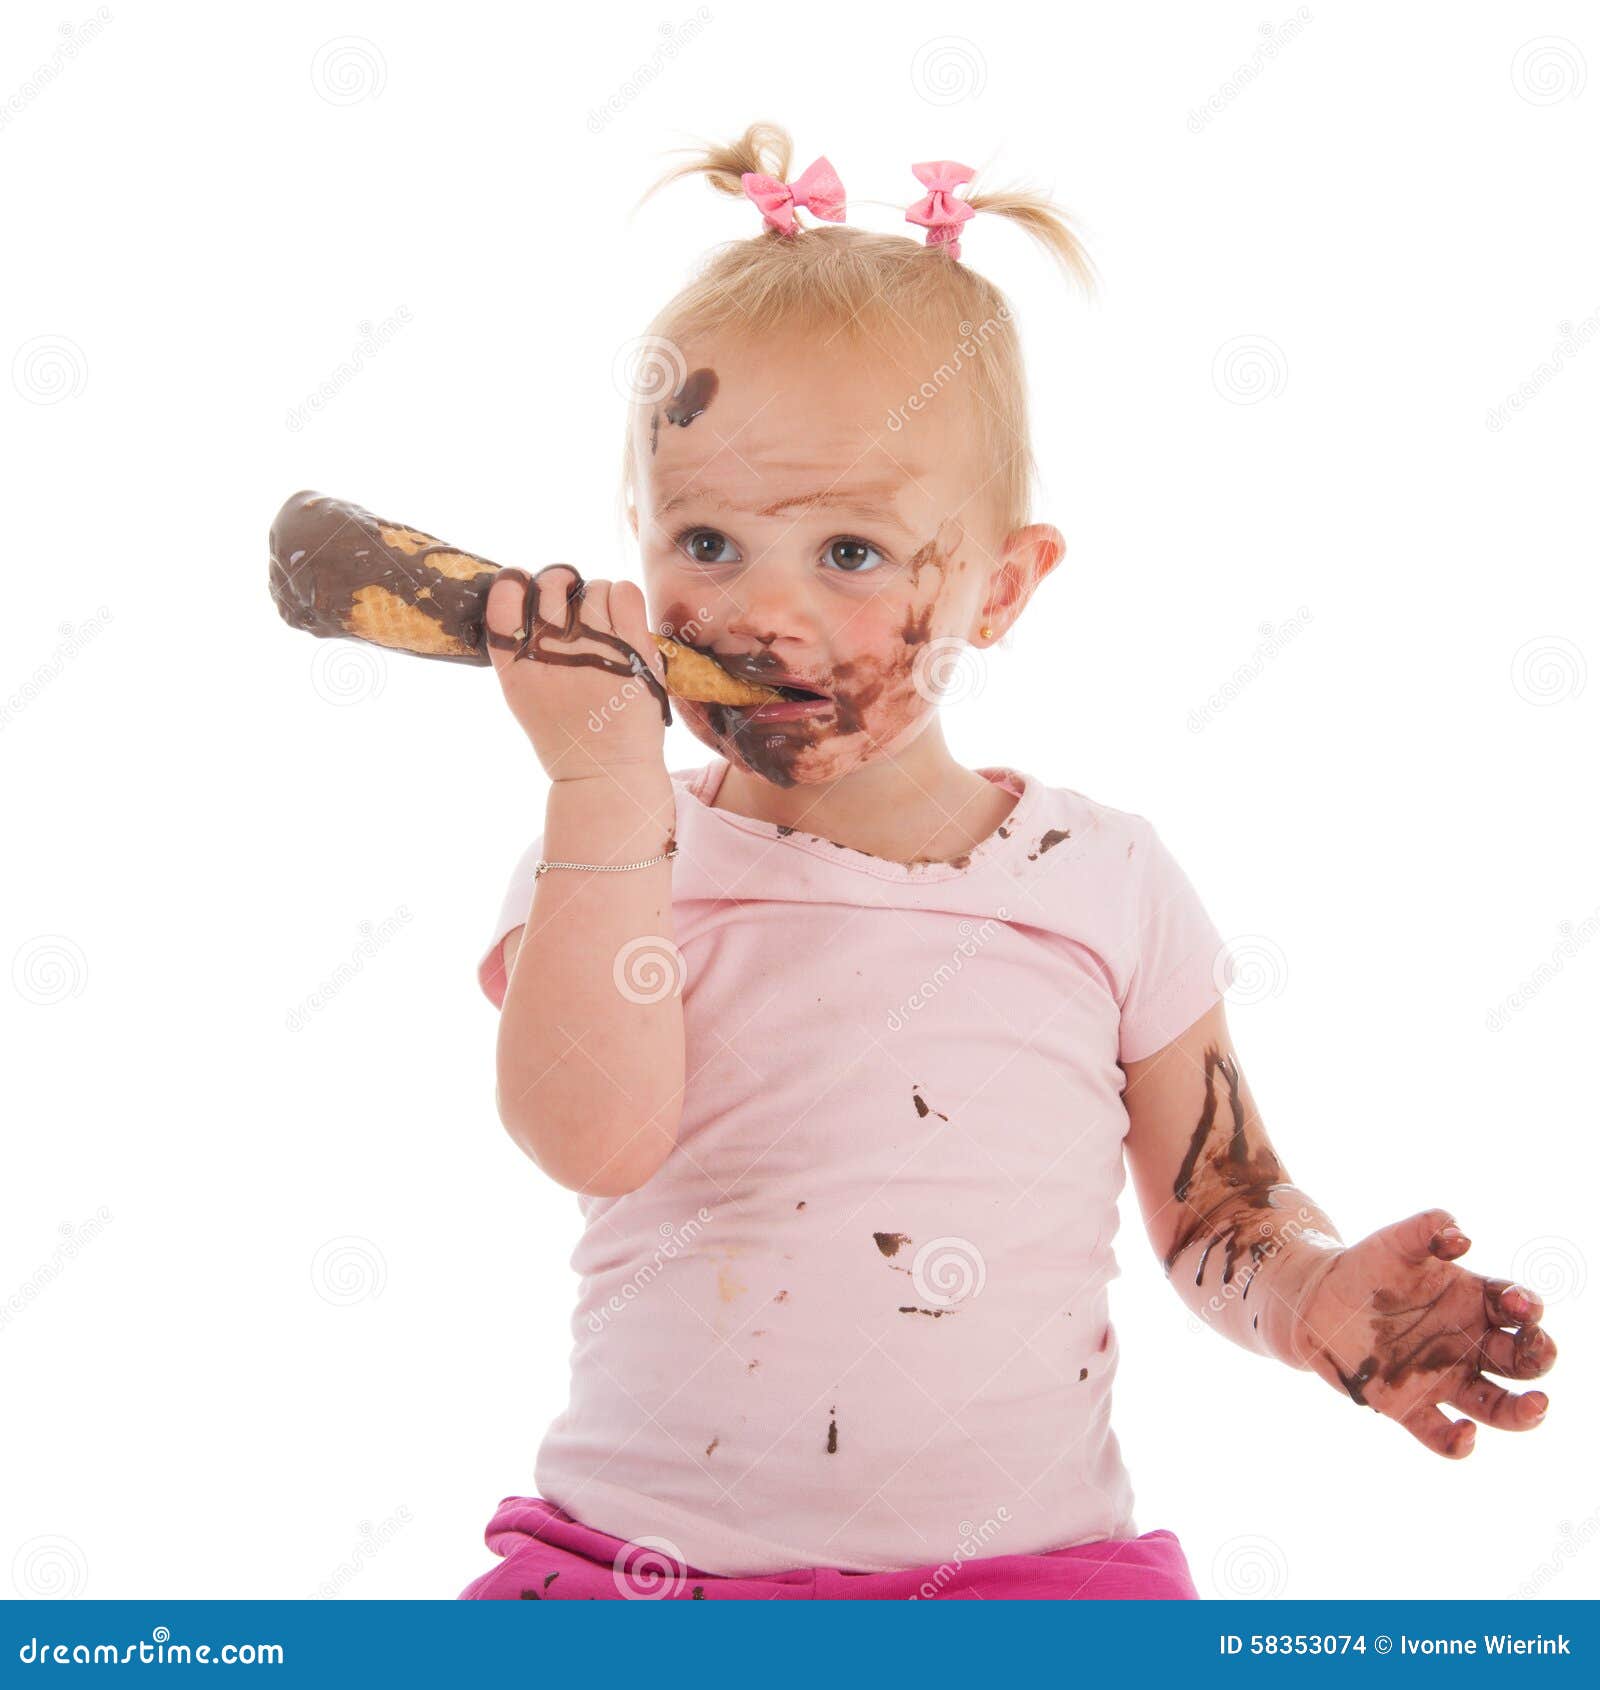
(793, 702)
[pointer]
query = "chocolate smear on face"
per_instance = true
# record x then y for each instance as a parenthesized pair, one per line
(533, 637)
(693, 398)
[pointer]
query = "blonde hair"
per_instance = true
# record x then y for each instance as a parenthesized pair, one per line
(870, 286)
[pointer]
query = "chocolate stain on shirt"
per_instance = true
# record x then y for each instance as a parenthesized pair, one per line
(1053, 837)
(911, 1308)
(890, 1242)
(712, 1445)
(833, 1432)
(922, 1106)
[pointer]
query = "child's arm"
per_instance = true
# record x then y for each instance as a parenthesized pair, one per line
(1390, 1320)
(590, 1054)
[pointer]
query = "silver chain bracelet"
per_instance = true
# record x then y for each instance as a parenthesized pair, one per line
(606, 868)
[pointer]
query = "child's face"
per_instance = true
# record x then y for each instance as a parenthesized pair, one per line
(787, 528)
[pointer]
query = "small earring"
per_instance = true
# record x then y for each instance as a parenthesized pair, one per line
(985, 631)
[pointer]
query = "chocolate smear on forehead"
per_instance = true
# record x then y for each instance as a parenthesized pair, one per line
(533, 636)
(692, 398)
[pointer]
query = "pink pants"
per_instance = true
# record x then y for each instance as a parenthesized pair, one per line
(547, 1556)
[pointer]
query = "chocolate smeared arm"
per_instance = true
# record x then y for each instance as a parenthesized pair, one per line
(340, 572)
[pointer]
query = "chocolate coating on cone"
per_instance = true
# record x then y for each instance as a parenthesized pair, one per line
(338, 571)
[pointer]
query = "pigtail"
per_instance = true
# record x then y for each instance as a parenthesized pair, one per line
(1048, 225)
(764, 148)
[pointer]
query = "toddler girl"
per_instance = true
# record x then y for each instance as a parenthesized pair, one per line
(841, 1044)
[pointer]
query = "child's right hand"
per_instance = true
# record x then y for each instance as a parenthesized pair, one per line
(583, 719)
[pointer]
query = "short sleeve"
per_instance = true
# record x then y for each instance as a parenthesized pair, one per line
(514, 907)
(1180, 958)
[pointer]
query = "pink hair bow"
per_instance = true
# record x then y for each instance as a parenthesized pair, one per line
(939, 211)
(816, 189)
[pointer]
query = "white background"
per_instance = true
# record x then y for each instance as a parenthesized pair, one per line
(1331, 251)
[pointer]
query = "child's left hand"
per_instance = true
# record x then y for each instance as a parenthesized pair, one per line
(1395, 1323)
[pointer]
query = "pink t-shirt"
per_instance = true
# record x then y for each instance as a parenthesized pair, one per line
(859, 1316)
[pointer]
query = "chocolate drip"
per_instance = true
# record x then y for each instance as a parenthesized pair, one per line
(535, 630)
(1249, 1183)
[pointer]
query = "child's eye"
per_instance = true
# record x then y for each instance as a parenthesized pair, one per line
(851, 556)
(705, 545)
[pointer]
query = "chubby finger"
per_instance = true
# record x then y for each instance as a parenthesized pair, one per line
(554, 586)
(1414, 1237)
(1493, 1405)
(1508, 1304)
(631, 621)
(1523, 1354)
(1448, 1243)
(503, 614)
(1453, 1439)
